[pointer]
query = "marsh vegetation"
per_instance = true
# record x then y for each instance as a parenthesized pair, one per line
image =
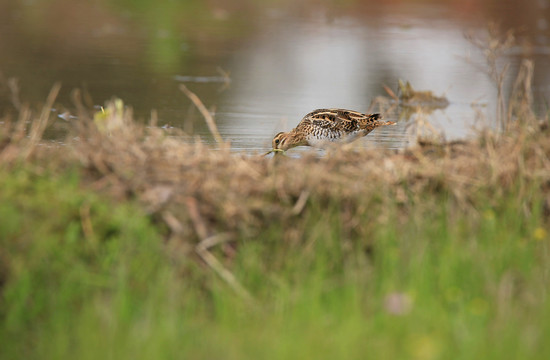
(127, 242)
(124, 238)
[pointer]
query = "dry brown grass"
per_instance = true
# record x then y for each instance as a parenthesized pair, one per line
(199, 192)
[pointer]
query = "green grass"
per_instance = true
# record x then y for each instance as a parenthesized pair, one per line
(85, 277)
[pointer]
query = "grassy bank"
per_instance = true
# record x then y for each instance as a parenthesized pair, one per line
(129, 243)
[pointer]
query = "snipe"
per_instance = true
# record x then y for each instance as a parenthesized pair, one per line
(328, 125)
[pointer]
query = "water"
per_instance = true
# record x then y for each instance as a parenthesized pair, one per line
(282, 61)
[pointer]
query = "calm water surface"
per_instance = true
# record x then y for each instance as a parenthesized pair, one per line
(282, 61)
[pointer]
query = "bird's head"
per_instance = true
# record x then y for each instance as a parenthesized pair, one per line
(281, 141)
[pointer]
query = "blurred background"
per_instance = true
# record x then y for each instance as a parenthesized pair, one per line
(260, 65)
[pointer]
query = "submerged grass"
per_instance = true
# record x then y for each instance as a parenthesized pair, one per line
(129, 243)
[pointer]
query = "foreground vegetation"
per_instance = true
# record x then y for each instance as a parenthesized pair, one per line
(129, 243)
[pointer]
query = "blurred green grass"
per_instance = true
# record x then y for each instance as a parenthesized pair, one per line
(86, 277)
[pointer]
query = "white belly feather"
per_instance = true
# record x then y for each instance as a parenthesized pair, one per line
(326, 137)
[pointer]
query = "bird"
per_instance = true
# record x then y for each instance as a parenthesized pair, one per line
(323, 126)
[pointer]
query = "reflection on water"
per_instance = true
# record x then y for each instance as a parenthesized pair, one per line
(296, 67)
(283, 61)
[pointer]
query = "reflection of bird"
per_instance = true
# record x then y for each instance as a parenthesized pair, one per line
(328, 125)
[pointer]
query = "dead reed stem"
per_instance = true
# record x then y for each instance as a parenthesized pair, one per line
(38, 126)
(207, 242)
(18, 141)
(494, 46)
(202, 250)
(521, 99)
(13, 85)
(205, 113)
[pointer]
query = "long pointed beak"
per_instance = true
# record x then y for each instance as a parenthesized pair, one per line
(276, 151)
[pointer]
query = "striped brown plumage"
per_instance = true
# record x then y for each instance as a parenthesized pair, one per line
(328, 125)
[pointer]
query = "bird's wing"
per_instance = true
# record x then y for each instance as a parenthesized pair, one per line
(321, 118)
(340, 119)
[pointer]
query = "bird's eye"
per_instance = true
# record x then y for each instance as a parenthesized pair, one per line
(277, 141)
